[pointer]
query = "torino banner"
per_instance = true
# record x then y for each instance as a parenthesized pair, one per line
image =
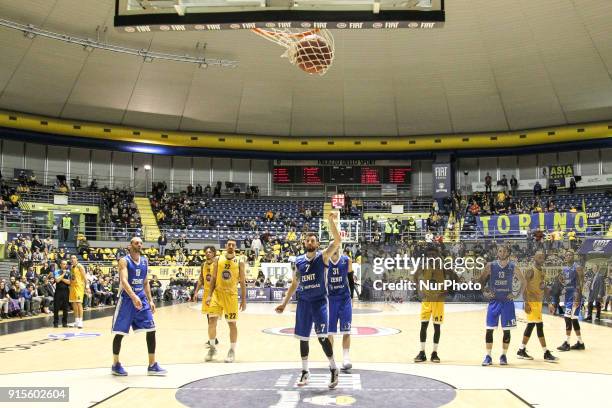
(496, 225)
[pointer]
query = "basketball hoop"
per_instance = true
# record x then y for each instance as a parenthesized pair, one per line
(311, 51)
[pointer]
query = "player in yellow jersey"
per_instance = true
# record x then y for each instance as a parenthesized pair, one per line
(205, 279)
(223, 297)
(77, 290)
(534, 292)
(430, 281)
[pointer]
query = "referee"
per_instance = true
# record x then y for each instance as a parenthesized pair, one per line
(60, 299)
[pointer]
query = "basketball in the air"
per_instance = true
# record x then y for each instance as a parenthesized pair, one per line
(313, 54)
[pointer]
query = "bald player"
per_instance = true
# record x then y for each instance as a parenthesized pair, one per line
(135, 307)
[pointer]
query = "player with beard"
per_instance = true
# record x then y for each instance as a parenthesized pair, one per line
(572, 278)
(228, 271)
(135, 307)
(499, 276)
(310, 280)
(535, 289)
(204, 281)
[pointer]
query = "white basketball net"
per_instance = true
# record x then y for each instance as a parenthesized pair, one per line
(317, 53)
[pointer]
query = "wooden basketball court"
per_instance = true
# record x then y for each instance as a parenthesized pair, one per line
(385, 344)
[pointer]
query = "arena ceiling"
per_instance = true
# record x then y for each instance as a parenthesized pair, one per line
(497, 65)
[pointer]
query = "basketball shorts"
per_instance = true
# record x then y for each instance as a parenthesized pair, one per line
(309, 312)
(433, 311)
(76, 294)
(501, 310)
(535, 315)
(224, 304)
(570, 311)
(340, 310)
(126, 315)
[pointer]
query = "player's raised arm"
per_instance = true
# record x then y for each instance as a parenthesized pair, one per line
(337, 241)
(280, 308)
(125, 285)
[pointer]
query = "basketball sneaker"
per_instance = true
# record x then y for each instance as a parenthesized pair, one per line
(549, 358)
(230, 356)
(434, 357)
(503, 360)
(303, 378)
(346, 365)
(487, 361)
(117, 369)
(578, 346)
(333, 381)
(212, 352)
(79, 325)
(155, 369)
(522, 354)
(420, 357)
(564, 347)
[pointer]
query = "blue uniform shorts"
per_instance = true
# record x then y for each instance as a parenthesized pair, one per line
(340, 310)
(309, 312)
(126, 315)
(501, 309)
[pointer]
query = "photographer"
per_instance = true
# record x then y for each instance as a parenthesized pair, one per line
(60, 300)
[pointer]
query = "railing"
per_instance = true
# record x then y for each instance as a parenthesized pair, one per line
(23, 223)
(384, 205)
(327, 190)
(46, 195)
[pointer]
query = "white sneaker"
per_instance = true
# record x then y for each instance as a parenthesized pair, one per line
(230, 356)
(80, 325)
(212, 352)
(346, 365)
(303, 378)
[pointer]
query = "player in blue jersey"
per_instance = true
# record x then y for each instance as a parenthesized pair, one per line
(310, 281)
(572, 278)
(498, 277)
(340, 306)
(135, 307)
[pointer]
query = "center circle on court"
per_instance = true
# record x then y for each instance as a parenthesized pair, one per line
(359, 388)
(356, 331)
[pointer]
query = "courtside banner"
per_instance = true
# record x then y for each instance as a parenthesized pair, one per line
(277, 270)
(596, 246)
(496, 225)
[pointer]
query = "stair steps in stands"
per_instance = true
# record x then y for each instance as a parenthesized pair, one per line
(149, 222)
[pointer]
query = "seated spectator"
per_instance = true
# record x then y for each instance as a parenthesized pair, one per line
(4, 300)
(46, 291)
(101, 296)
(537, 189)
(156, 288)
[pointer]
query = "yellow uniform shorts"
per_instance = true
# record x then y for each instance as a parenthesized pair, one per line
(433, 311)
(535, 315)
(76, 294)
(224, 304)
